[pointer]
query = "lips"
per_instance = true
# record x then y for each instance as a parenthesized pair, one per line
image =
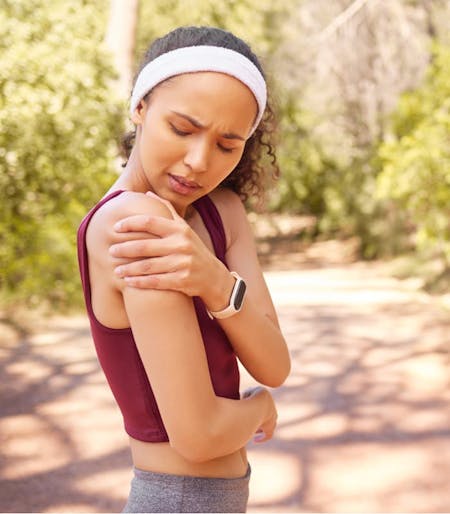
(182, 185)
(186, 182)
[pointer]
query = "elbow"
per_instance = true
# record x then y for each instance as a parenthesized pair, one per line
(275, 381)
(278, 378)
(198, 436)
(196, 447)
(195, 453)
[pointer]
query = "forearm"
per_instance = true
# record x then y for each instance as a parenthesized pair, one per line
(231, 424)
(259, 345)
(255, 337)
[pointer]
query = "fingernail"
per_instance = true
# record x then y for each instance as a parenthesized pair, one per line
(119, 271)
(118, 226)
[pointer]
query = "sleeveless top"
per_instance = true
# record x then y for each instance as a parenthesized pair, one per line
(118, 355)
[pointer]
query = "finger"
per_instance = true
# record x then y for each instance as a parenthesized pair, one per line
(263, 435)
(156, 225)
(164, 281)
(153, 266)
(251, 391)
(138, 248)
(142, 282)
(260, 437)
(166, 203)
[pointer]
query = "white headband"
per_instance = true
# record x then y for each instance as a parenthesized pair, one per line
(201, 58)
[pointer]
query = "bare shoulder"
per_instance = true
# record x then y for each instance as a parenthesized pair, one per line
(227, 200)
(232, 212)
(101, 235)
(129, 203)
(126, 204)
(108, 290)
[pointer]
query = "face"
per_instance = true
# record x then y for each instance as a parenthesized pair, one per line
(191, 134)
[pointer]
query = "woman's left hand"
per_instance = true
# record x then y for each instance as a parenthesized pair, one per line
(176, 259)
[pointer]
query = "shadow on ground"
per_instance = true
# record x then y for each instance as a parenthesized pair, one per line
(57, 425)
(364, 416)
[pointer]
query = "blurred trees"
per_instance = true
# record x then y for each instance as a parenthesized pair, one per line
(259, 22)
(121, 41)
(346, 63)
(59, 126)
(363, 103)
(338, 69)
(415, 160)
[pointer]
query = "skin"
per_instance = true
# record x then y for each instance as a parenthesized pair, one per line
(190, 136)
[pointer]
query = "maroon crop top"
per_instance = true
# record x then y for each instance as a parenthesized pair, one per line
(119, 357)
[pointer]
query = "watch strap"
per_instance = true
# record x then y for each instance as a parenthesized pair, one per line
(236, 299)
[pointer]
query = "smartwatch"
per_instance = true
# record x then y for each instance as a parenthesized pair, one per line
(236, 300)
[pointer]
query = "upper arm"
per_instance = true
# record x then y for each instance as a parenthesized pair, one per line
(101, 234)
(165, 329)
(169, 341)
(241, 255)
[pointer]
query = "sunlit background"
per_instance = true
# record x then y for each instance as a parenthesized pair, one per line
(354, 241)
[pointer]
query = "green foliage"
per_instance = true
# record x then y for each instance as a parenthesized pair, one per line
(58, 126)
(333, 182)
(256, 21)
(304, 172)
(336, 189)
(416, 162)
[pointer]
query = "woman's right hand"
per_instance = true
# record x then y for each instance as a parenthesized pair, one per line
(267, 428)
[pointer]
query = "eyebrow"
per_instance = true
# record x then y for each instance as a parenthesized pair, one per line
(197, 124)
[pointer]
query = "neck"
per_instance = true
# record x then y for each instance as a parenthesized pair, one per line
(133, 178)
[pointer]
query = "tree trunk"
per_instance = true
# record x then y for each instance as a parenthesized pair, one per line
(120, 39)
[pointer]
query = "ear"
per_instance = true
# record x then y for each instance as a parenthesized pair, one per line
(138, 114)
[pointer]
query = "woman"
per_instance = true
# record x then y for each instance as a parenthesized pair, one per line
(167, 341)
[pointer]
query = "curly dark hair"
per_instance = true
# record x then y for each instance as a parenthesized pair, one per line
(249, 178)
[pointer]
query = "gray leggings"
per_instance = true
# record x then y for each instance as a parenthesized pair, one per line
(161, 492)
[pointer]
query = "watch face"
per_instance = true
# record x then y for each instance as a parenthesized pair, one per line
(239, 297)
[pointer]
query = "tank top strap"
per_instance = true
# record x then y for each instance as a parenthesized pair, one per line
(213, 223)
(82, 248)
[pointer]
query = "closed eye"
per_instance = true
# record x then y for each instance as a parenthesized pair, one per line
(184, 133)
(224, 149)
(178, 131)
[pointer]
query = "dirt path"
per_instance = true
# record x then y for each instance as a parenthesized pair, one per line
(364, 417)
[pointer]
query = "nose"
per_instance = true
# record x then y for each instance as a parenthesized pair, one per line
(197, 156)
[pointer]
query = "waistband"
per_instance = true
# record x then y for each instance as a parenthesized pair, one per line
(172, 480)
